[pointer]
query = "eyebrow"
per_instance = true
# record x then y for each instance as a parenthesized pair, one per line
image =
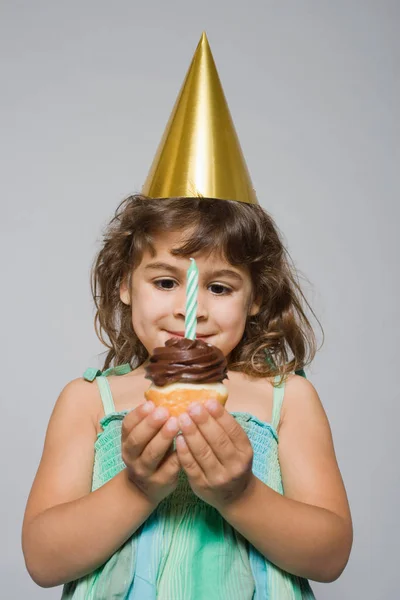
(217, 273)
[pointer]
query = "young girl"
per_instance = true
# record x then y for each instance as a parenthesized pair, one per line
(248, 501)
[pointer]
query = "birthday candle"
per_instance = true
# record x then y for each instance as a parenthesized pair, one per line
(192, 287)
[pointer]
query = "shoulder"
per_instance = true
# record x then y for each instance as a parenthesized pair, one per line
(79, 399)
(300, 397)
(78, 391)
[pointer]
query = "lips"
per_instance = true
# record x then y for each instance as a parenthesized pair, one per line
(182, 334)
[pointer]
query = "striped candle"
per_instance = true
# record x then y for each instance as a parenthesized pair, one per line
(192, 287)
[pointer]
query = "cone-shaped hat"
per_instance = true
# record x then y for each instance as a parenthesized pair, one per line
(199, 153)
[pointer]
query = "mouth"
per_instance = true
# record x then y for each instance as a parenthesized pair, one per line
(182, 335)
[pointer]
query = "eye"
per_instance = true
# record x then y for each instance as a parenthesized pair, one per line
(162, 287)
(219, 286)
(168, 284)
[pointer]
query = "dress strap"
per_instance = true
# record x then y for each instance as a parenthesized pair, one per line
(302, 373)
(106, 395)
(279, 393)
(92, 374)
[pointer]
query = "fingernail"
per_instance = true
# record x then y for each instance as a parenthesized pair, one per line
(148, 407)
(180, 441)
(172, 424)
(184, 419)
(211, 404)
(195, 409)
(160, 413)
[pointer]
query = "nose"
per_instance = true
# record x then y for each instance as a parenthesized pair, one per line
(201, 312)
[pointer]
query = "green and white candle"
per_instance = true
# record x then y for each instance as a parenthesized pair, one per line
(192, 288)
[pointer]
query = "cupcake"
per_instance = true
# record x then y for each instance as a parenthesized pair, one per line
(186, 371)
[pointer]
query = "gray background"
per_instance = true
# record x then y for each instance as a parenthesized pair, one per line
(86, 90)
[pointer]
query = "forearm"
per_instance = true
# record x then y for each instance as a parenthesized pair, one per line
(301, 539)
(72, 539)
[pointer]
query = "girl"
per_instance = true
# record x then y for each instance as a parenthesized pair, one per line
(248, 501)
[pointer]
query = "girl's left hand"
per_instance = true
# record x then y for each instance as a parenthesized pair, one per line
(215, 453)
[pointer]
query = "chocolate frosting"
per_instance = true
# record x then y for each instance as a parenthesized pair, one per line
(189, 361)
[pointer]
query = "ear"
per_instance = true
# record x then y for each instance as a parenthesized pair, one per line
(124, 292)
(255, 307)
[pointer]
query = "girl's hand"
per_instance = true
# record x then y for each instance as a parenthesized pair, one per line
(146, 447)
(216, 454)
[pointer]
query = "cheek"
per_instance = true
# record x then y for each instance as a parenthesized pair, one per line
(231, 315)
(148, 306)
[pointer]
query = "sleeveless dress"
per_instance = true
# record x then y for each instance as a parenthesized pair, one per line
(186, 550)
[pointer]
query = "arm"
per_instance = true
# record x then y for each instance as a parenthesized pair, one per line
(308, 531)
(68, 531)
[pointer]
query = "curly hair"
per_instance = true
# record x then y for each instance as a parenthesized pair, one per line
(278, 340)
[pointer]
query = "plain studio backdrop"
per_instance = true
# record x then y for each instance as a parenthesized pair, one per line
(313, 88)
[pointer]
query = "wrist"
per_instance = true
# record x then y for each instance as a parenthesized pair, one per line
(138, 492)
(230, 509)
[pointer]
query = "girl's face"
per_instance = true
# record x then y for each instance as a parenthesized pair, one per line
(157, 296)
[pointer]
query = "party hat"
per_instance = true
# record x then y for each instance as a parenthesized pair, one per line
(199, 153)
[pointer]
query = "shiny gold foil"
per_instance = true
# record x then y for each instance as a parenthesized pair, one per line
(199, 153)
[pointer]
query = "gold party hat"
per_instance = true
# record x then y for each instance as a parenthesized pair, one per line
(199, 153)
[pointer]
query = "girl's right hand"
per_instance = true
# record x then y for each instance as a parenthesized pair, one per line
(146, 438)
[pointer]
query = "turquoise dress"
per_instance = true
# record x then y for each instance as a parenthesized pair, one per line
(186, 550)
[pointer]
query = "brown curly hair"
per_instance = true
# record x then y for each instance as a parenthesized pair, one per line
(278, 340)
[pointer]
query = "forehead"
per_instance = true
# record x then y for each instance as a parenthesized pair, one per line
(165, 242)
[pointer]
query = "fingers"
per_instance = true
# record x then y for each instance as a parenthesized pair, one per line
(141, 424)
(170, 465)
(214, 437)
(161, 444)
(135, 416)
(148, 433)
(228, 423)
